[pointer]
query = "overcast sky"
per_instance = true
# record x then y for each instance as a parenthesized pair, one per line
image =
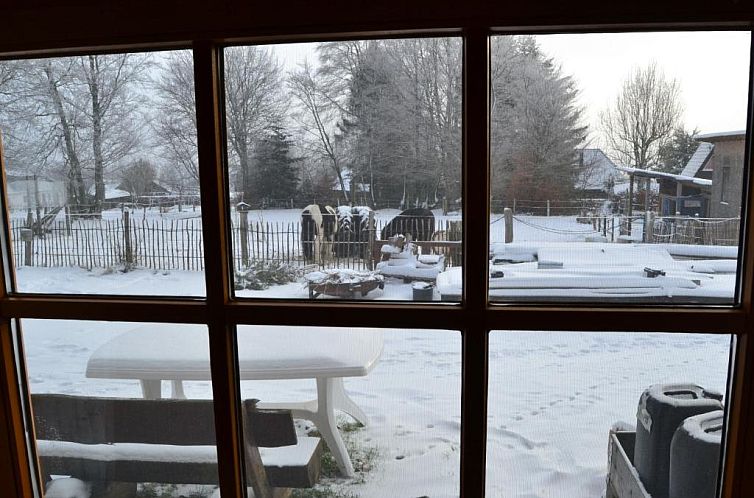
(712, 69)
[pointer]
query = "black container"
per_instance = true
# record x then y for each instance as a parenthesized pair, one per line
(695, 456)
(661, 410)
(423, 292)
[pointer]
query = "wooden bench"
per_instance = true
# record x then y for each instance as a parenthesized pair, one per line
(115, 443)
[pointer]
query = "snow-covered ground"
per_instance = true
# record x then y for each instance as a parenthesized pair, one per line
(553, 395)
(553, 398)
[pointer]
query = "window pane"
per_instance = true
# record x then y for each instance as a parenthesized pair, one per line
(556, 397)
(344, 163)
(101, 418)
(617, 166)
(102, 178)
(386, 404)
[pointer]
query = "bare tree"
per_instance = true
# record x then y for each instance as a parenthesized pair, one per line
(253, 102)
(643, 117)
(317, 119)
(110, 105)
(138, 177)
(175, 123)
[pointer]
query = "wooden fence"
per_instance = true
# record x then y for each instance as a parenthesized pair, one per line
(705, 231)
(177, 244)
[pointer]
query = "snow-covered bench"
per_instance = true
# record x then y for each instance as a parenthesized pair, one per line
(117, 440)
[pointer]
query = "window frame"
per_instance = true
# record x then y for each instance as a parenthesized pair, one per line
(34, 31)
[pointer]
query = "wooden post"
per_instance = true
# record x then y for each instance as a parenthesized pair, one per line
(649, 224)
(548, 208)
(514, 205)
(444, 206)
(508, 215)
(27, 235)
(127, 237)
(372, 228)
(243, 233)
(647, 185)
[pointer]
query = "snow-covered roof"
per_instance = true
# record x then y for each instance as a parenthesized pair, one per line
(702, 182)
(111, 192)
(721, 135)
(598, 170)
(698, 159)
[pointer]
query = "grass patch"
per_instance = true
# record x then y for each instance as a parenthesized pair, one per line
(364, 458)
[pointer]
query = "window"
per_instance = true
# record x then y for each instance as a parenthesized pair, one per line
(210, 31)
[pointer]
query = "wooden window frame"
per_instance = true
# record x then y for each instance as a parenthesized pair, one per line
(35, 29)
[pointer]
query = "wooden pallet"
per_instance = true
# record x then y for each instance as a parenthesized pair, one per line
(622, 478)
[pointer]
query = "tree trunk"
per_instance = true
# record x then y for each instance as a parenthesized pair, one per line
(99, 167)
(76, 189)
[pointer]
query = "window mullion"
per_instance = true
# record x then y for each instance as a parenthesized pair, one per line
(222, 337)
(476, 244)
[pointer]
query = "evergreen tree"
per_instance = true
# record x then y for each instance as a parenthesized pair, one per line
(676, 152)
(275, 174)
(536, 124)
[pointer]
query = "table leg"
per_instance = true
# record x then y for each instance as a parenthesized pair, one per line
(151, 389)
(328, 427)
(343, 402)
(177, 389)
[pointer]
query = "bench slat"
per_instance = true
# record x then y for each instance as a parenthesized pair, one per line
(292, 466)
(94, 420)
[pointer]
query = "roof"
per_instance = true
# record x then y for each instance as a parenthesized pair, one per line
(722, 135)
(698, 159)
(598, 170)
(690, 180)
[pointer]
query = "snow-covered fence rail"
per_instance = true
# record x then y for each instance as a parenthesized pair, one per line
(177, 244)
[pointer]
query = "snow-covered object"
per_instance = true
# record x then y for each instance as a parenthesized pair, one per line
(272, 457)
(341, 276)
(409, 267)
(390, 249)
(695, 456)
(67, 488)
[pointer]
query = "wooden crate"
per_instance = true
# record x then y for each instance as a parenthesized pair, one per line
(622, 478)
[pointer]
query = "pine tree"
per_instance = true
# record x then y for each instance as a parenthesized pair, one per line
(275, 173)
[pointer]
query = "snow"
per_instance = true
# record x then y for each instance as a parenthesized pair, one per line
(706, 427)
(67, 488)
(274, 457)
(553, 396)
(552, 399)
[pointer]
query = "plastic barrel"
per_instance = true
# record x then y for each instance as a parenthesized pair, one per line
(662, 408)
(695, 456)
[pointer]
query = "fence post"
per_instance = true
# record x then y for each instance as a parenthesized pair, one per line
(243, 232)
(508, 215)
(649, 226)
(514, 206)
(372, 230)
(27, 235)
(127, 237)
(548, 207)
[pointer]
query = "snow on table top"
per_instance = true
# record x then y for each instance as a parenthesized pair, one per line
(162, 351)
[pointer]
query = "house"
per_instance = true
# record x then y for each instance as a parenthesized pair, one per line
(710, 184)
(34, 192)
(597, 174)
(725, 166)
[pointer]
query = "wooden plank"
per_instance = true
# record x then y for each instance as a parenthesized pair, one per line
(174, 468)
(92, 420)
(623, 480)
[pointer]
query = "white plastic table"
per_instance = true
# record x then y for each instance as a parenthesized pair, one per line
(156, 352)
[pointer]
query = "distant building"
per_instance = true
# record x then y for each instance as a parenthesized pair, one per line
(597, 174)
(726, 164)
(31, 192)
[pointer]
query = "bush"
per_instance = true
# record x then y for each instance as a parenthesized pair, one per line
(262, 274)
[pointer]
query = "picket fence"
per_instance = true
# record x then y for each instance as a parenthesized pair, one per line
(177, 244)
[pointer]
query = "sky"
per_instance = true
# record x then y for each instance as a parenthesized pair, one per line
(712, 69)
